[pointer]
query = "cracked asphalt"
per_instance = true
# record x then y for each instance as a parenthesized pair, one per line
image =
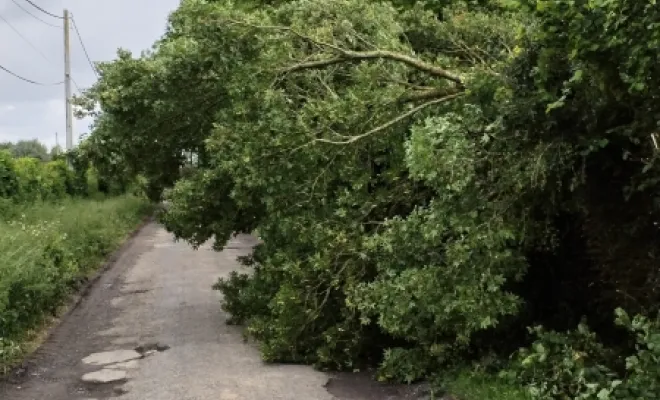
(158, 293)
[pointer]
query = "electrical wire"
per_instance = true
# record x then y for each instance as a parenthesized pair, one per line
(29, 80)
(43, 11)
(91, 64)
(34, 16)
(76, 85)
(24, 38)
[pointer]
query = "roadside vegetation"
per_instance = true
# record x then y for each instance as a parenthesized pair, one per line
(464, 192)
(56, 228)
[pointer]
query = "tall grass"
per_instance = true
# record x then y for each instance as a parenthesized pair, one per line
(471, 385)
(45, 252)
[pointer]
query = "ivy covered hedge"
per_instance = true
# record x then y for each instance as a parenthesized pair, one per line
(429, 179)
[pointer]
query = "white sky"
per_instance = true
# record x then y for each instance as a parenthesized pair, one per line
(28, 111)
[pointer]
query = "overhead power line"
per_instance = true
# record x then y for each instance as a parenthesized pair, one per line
(24, 38)
(77, 86)
(29, 80)
(91, 64)
(44, 11)
(34, 16)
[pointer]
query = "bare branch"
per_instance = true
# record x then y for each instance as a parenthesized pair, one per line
(354, 56)
(393, 121)
(410, 61)
(428, 94)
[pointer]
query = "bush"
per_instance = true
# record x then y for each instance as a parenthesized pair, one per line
(37, 180)
(29, 179)
(29, 172)
(57, 179)
(49, 249)
(8, 178)
(562, 364)
(575, 365)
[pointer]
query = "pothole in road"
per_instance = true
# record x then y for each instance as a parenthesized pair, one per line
(119, 391)
(151, 348)
(99, 391)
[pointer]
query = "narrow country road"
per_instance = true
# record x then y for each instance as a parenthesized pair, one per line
(151, 328)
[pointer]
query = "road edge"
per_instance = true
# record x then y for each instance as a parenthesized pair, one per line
(105, 266)
(77, 297)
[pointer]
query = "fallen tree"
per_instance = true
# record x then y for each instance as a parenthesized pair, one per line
(425, 188)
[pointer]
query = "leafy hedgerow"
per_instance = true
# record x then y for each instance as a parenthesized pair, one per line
(46, 252)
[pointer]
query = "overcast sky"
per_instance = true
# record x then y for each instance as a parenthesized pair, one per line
(29, 111)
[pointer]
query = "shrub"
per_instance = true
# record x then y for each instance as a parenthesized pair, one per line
(8, 178)
(29, 172)
(562, 364)
(57, 178)
(575, 365)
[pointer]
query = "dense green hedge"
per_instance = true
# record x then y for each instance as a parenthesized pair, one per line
(47, 250)
(27, 179)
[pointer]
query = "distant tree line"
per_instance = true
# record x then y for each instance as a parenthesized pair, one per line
(31, 148)
(29, 171)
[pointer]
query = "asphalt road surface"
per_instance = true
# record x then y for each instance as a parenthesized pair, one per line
(151, 328)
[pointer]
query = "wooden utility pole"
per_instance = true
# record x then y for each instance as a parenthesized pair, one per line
(67, 83)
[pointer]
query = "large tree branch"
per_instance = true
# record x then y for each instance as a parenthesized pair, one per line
(429, 94)
(355, 56)
(405, 59)
(392, 122)
(346, 55)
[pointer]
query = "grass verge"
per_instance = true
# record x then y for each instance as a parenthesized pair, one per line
(471, 385)
(46, 252)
